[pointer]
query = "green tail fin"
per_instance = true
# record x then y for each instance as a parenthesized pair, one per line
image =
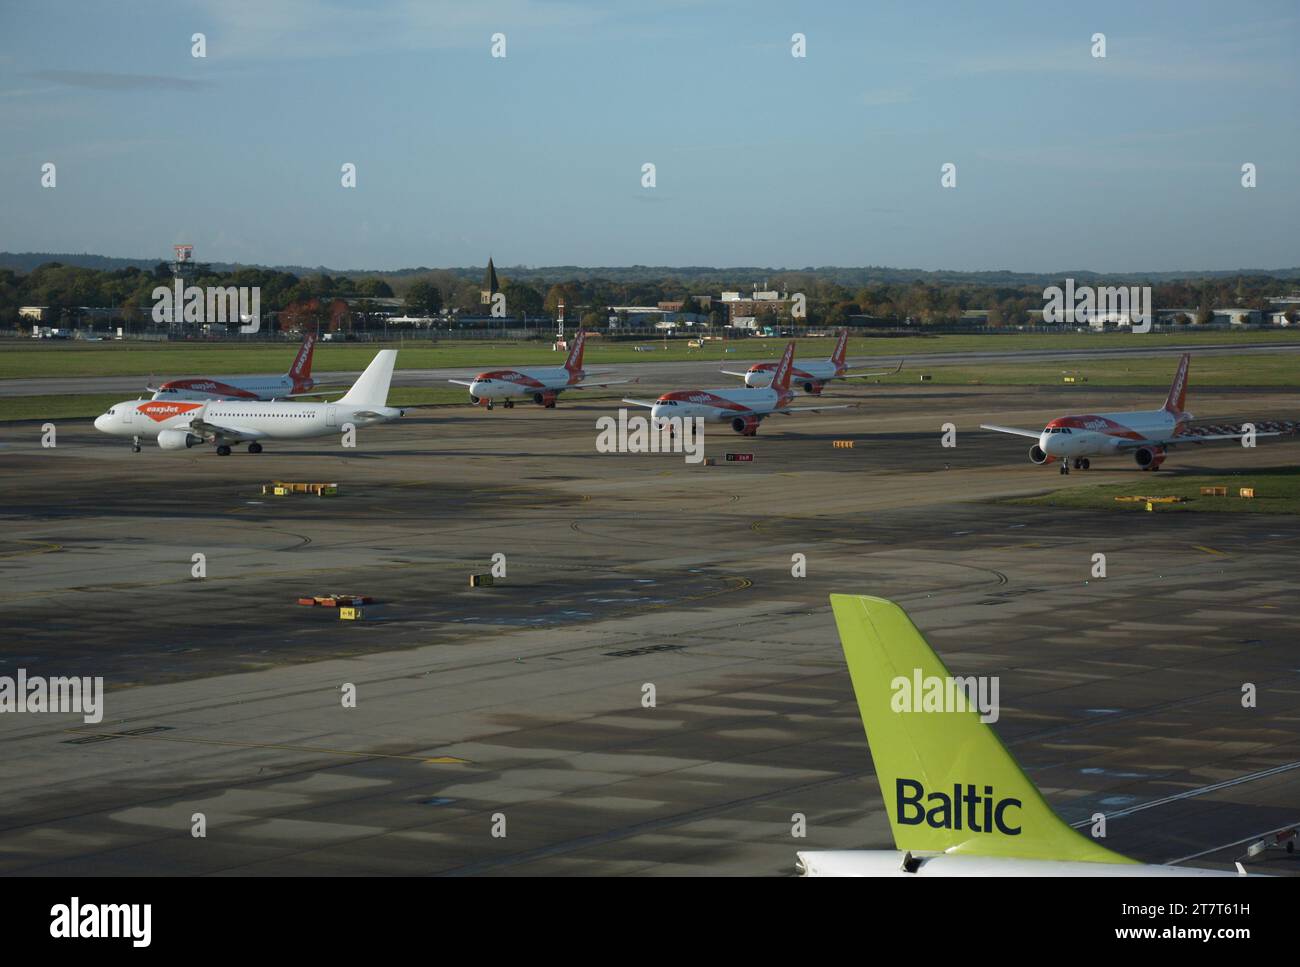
(948, 782)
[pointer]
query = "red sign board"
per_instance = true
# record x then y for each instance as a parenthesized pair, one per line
(740, 458)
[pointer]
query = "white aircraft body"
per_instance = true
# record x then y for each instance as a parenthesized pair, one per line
(542, 385)
(181, 424)
(296, 382)
(1146, 434)
(958, 803)
(812, 377)
(744, 409)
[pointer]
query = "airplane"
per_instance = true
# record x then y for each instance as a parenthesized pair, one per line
(812, 377)
(543, 384)
(1147, 434)
(744, 409)
(181, 424)
(985, 817)
(296, 382)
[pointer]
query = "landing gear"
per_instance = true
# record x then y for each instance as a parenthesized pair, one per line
(1065, 467)
(255, 448)
(1086, 463)
(135, 444)
(509, 404)
(223, 451)
(1081, 463)
(489, 404)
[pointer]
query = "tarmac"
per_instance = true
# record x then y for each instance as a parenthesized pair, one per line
(507, 730)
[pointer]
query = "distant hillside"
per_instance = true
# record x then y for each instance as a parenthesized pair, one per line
(699, 275)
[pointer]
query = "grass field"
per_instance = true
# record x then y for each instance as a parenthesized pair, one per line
(35, 359)
(1277, 491)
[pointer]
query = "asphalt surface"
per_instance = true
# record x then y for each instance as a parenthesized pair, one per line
(519, 708)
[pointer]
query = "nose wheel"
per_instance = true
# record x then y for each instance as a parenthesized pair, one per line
(135, 445)
(489, 404)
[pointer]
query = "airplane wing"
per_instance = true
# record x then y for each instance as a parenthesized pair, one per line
(461, 382)
(1193, 436)
(731, 372)
(1011, 429)
(598, 382)
(649, 404)
(214, 433)
(788, 410)
(883, 372)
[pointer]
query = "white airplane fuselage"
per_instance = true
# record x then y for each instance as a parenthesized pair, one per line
(258, 389)
(510, 384)
(264, 420)
(1101, 434)
(720, 405)
(892, 863)
(810, 376)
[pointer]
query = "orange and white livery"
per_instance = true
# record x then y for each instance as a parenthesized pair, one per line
(744, 409)
(296, 382)
(1147, 434)
(542, 385)
(812, 377)
(225, 423)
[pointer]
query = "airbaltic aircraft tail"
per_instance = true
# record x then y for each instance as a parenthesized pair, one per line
(949, 783)
(371, 387)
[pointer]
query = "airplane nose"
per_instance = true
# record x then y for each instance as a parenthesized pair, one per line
(101, 423)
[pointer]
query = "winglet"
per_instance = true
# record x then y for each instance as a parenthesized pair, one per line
(948, 782)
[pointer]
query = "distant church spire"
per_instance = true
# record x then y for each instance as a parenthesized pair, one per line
(490, 285)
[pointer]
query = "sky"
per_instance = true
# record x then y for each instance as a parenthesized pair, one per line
(1063, 160)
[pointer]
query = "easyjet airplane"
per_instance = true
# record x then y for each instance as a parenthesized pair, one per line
(958, 803)
(296, 382)
(542, 385)
(812, 377)
(1147, 434)
(181, 424)
(744, 409)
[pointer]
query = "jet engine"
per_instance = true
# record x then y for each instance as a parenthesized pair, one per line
(1149, 458)
(745, 425)
(813, 388)
(546, 399)
(177, 439)
(1037, 455)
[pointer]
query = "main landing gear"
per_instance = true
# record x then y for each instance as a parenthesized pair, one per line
(255, 448)
(509, 404)
(1080, 463)
(223, 451)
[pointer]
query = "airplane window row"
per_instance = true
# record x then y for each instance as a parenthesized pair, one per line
(1058, 429)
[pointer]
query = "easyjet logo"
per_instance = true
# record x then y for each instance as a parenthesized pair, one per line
(159, 412)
